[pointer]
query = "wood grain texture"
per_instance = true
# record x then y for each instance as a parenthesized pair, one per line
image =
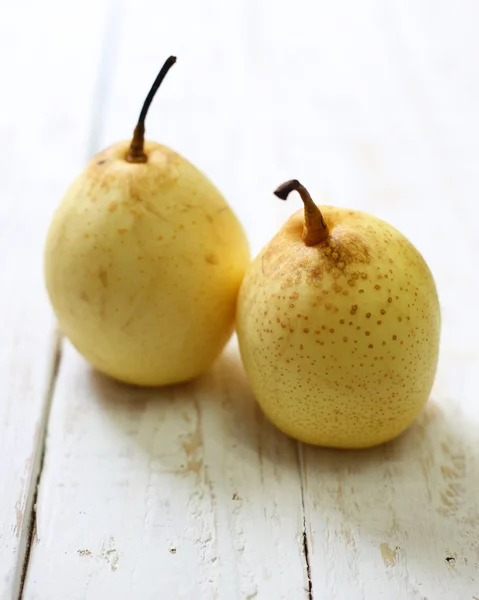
(178, 493)
(48, 78)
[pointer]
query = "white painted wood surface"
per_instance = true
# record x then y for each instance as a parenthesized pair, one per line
(48, 82)
(188, 492)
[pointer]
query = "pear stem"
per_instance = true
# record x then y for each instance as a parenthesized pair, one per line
(315, 229)
(136, 154)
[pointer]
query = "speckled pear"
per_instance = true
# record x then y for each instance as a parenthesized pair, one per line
(338, 324)
(143, 262)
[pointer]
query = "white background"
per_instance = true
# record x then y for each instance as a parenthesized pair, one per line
(188, 493)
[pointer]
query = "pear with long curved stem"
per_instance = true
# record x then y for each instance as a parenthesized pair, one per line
(143, 262)
(338, 324)
(136, 154)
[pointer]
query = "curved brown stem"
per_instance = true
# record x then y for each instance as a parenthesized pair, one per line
(315, 229)
(136, 154)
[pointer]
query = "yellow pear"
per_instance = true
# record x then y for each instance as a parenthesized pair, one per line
(143, 262)
(338, 324)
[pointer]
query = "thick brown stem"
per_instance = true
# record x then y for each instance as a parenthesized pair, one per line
(136, 154)
(315, 229)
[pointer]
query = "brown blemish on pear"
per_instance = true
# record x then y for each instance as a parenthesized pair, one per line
(325, 250)
(212, 259)
(103, 275)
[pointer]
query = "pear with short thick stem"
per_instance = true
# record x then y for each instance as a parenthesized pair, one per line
(338, 325)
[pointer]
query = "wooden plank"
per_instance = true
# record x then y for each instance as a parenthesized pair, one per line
(179, 493)
(48, 75)
(185, 492)
(388, 123)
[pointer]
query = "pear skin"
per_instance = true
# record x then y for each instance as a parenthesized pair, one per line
(338, 324)
(143, 262)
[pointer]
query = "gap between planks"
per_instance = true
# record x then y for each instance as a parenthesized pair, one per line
(305, 534)
(24, 554)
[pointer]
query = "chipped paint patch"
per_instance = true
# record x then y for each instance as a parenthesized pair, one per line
(389, 555)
